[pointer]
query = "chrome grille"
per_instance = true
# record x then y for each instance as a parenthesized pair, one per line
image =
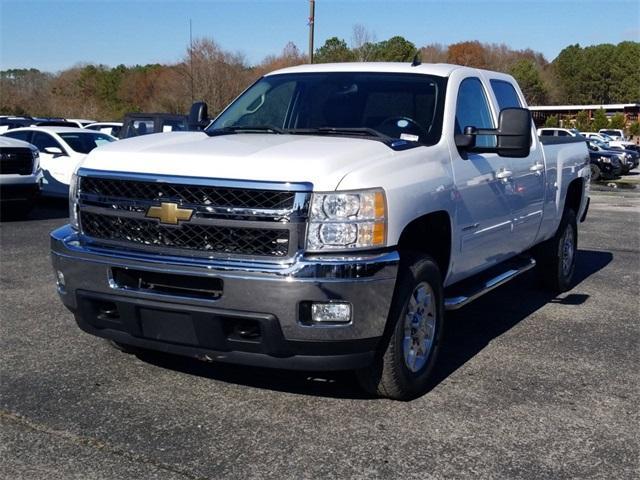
(16, 160)
(205, 238)
(230, 218)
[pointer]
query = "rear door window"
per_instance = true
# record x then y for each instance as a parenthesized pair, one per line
(505, 94)
(25, 136)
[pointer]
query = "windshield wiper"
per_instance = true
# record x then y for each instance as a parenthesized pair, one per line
(356, 131)
(245, 129)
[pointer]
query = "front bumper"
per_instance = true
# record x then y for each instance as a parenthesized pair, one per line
(269, 297)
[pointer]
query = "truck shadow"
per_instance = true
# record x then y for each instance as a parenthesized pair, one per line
(44, 209)
(469, 330)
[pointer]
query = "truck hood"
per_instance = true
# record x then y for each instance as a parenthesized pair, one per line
(322, 161)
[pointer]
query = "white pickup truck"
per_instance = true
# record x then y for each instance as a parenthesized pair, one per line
(325, 220)
(20, 177)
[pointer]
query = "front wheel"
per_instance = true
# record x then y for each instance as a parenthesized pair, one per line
(411, 342)
(595, 173)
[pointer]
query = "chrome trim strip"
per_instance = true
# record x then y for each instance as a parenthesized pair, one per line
(196, 219)
(138, 208)
(210, 182)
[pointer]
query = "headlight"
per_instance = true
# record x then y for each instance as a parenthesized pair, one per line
(347, 220)
(605, 159)
(73, 202)
(35, 153)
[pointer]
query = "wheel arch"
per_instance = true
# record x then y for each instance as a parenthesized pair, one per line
(575, 192)
(429, 234)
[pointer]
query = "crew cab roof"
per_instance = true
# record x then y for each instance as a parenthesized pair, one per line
(438, 69)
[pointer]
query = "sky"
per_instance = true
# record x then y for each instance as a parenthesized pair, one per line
(52, 35)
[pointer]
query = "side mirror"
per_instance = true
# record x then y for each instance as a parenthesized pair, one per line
(513, 134)
(55, 151)
(198, 116)
(466, 140)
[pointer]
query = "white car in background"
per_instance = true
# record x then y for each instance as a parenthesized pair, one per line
(615, 133)
(557, 132)
(110, 128)
(604, 138)
(61, 149)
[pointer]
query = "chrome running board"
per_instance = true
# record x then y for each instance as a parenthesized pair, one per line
(475, 290)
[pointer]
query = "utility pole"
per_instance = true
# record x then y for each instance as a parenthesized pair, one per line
(191, 58)
(312, 14)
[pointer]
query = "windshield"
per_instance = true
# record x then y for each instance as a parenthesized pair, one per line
(84, 142)
(407, 106)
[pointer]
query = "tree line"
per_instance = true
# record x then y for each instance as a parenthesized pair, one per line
(596, 74)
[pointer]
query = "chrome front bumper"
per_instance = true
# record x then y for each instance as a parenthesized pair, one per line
(264, 290)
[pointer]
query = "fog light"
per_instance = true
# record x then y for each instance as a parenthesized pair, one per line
(331, 312)
(60, 278)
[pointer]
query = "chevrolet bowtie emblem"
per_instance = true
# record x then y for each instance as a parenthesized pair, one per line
(170, 213)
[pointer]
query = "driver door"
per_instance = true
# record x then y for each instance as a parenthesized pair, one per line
(484, 221)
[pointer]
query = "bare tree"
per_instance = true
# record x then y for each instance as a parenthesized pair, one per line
(363, 43)
(433, 53)
(218, 76)
(290, 56)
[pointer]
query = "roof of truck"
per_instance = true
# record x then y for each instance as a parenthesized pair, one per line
(439, 69)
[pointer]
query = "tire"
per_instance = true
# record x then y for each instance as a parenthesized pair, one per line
(556, 257)
(595, 173)
(395, 373)
(123, 347)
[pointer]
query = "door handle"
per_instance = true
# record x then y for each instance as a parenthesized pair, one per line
(504, 175)
(537, 168)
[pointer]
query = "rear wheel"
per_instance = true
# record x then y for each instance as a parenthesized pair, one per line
(557, 256)
(411, 342)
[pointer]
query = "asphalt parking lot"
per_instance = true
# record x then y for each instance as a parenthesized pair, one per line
(529, 386)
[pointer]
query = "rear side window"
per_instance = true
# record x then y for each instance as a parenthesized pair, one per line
(547, 133)
(472, 110)
(23, 135)
(505, 94)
